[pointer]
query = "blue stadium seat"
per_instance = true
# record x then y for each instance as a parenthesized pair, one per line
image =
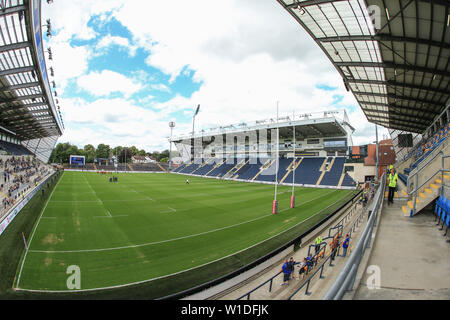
(447, 223)
(439, 209)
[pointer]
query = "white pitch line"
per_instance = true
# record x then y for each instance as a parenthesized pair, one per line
(110, 216)
(168, 240)
(98, 198)
(34, 230)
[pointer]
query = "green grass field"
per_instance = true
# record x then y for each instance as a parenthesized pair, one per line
(149, 226)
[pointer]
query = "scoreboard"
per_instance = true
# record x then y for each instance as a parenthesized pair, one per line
(77, 160)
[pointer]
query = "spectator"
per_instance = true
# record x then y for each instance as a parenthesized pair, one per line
(286, 272)
(302, 271)
(291, 264)
(345, 245)
(333, 246)
(318, 241)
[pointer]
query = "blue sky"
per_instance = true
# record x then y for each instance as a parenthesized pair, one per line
(125, 69)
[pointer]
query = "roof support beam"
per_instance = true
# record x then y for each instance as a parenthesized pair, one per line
(392, 105)
(390, 83)
(393, 66)
(397, 97)
(16, 70)
(15, 46)
(11, 10)
(386, 37)
(308, 3)
(33, 96)
(19, 86)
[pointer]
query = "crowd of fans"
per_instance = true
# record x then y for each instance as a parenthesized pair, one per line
(17, 176)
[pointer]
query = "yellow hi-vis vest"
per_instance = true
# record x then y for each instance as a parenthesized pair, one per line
(393, 180)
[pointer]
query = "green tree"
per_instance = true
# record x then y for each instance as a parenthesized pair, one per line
(103, 151)
(125, 153)
(89, 153)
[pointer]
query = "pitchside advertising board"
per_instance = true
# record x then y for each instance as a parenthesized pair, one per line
(77, 160)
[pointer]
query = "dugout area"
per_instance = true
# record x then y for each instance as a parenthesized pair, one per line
(12, 251)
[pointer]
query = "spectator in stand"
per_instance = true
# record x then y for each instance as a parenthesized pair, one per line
(291, 265)
(286, 272)
(345, 245)
(302, 271)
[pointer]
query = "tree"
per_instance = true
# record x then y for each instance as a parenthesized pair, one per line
(103, 151)
(125, 152)
(89, 153)
(62, 152)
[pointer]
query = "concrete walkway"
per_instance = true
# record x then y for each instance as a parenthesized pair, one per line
(413, 258)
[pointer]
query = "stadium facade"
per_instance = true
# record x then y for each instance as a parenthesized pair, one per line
(302, 149)
(327, 133)
(30, 121)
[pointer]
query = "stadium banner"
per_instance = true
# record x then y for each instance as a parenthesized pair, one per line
(38, 44)
(19, 206)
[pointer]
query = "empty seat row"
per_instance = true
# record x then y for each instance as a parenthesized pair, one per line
(308, 170)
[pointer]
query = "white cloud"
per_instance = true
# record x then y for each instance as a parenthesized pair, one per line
(247, 55)
(107, 82)
(108, 41)
(114, 122)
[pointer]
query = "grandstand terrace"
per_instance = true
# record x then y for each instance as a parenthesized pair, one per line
(249, 152)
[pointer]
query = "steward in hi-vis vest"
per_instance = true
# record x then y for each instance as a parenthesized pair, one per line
(392, 184)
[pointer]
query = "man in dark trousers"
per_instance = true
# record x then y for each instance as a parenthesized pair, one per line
(392, 184)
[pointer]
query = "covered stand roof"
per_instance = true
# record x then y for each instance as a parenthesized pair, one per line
(393, 55)
(27, 108)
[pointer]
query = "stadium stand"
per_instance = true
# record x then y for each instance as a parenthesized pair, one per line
(18, 175)
(308, 170)
(13, 149)
(146, 167)
(332, 177)
(426, 147)
(269, 173)
(348, 181)
(251, 169)
(140, 167)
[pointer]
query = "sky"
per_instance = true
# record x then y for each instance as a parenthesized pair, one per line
(125, 69)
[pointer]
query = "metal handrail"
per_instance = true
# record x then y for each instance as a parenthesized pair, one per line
(270, 280)
(417, 170)
(416, 187)
(311, 277)
(346, 278)
(426, 181)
